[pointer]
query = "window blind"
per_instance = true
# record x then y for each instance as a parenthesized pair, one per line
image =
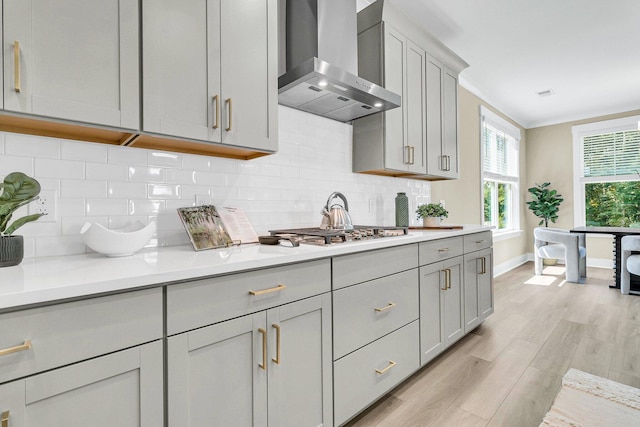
(500, 154)
(611, 154)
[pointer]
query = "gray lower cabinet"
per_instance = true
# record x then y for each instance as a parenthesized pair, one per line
(73, 60)
(120, 389)
(441, 316)
(478, 287)
(210, 71)
(268, 368)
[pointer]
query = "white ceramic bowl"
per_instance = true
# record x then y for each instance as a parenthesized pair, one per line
(121, 242)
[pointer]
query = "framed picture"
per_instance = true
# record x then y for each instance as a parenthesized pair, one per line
(204, 227)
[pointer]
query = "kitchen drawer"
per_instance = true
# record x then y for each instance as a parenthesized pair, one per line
(357, 382)
(357, 268)
(478, 241)
(204, 302)
(365, 312)
(66, 333)
(437, 250)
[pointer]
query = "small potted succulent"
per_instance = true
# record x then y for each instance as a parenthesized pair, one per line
(16, 191)
(431, 214)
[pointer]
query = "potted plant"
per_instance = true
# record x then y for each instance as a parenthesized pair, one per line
(545, 203)
(16, 191)
(431, 214)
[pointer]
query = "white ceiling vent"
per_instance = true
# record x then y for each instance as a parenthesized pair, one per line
(547, 92)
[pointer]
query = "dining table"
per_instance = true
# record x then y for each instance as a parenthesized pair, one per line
(618, 233)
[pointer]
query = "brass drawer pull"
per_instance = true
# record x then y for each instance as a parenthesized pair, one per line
(16, 67)
(4, 418)
(480, 241)
(484, 265)
(444, 249)
(277, 359)
(447, 273)
(16, 349)
(216, 102)
(385, 308)
(382, 371)
(268, 291)
(230, 111)
(263, 366)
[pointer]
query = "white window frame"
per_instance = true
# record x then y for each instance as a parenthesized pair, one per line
(595, 128)
(502, 125)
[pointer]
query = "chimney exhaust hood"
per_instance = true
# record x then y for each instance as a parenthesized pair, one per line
(322, 62)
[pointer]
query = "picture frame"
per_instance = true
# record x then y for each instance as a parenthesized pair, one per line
(205, 227)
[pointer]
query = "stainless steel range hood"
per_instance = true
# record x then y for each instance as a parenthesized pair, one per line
(321, 52)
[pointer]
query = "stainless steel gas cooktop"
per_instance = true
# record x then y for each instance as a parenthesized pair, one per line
(319, 236)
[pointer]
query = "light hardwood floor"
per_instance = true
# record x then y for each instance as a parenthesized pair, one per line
(508, 370)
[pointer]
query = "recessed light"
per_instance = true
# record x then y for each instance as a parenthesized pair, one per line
(547, 92)
(322, 83)
(378, 104)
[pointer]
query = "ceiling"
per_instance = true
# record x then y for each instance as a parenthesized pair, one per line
(586, 51)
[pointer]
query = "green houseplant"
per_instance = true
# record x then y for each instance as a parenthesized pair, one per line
(431, 214)
(16, 191)
(545, 203)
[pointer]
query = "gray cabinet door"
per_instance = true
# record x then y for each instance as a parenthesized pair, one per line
(453, 321)
(435, 75)
(248, 50)
(299, 363)
(414, 103)
(181, 58)
(478, 288)
(73, 59)
(121, 389)
(395, 126)
(432, 339)
(218, 375)
(485, 284)
(450, 167)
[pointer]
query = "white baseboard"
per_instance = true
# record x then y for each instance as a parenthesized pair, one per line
(519, 260)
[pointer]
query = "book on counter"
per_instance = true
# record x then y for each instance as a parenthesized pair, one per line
(210, 228)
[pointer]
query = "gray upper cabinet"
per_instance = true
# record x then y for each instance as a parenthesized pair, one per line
(210, 71)
(76, 60)
(419, 139)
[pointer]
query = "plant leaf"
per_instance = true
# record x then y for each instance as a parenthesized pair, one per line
(20, 222)
(18, 186)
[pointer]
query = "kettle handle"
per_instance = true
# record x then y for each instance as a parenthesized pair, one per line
(341, 196)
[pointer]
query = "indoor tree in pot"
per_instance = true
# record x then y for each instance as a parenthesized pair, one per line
(16, 191)
(431, 214)
(545, 203)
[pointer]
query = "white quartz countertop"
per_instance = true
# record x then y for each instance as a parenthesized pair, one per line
(50, 279)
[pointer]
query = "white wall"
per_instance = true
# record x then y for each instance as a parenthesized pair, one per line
(114, 185)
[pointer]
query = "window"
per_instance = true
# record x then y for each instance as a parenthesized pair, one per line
(500, 172)
(607, 173)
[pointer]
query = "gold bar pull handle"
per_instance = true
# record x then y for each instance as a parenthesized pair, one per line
(445, 280)
(16, 67)
(263, 365)
(483, 261)
(268, 291)
(413, 154)
(4, 418)
(444, 249)
(24, 347)
(382, 371)
(216, 105)
(230, 111)
(406, 155)
(277, 359)
(386, 307)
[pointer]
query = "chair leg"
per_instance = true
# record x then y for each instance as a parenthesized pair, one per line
(537, 264)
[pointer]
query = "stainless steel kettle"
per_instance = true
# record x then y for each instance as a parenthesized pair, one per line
(336, 217)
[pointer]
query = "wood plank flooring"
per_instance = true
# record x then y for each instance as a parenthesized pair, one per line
(508, 370)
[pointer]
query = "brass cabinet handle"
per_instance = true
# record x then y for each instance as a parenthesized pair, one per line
(413, 154)
(216, 103)
(264, 349)
(483, 261)
(385, 308)
(406, 156)
(448, 278)
(230, 111)
(444, 249)
(277, 359)
(445, 280)
(382, 371)
(268, 291)
(479, 242)
(23, 347)
(16, 67)
(4, 418)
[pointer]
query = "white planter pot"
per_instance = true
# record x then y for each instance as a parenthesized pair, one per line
(431, 221)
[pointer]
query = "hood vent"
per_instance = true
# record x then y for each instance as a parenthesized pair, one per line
(321, 62)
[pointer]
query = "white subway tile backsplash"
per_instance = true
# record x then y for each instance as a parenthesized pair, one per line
(54, 168)
(127, 190)
(32, 146)
(115, 185)
(86, 151)
(146, 174)
(75, 188)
